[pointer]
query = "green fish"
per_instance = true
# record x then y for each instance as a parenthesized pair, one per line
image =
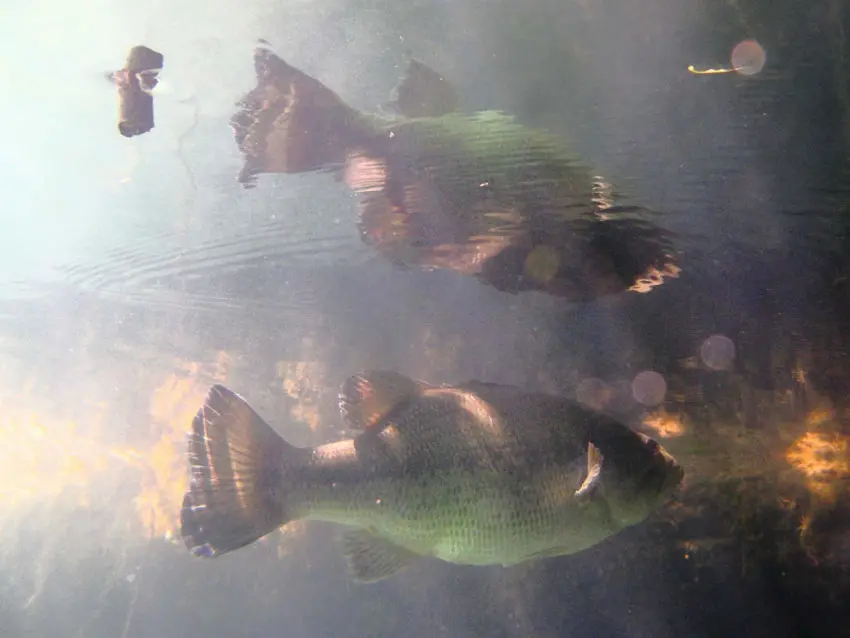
(478, 194)
(473, 474)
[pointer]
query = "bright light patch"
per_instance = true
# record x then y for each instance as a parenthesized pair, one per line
(823, 460)
(747, 58)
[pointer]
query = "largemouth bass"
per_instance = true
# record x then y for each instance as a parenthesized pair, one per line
(475, 474)
(479, 194)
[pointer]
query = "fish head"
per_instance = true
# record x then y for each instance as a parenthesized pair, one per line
(637, 476)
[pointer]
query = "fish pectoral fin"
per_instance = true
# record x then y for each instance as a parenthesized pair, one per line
(367, 397)
(371, 558)
(594, 469)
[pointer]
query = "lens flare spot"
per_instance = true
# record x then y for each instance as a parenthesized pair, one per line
(748, 57)
(717, 352)
(649, 388)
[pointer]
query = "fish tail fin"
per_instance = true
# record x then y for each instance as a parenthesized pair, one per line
(239, 470)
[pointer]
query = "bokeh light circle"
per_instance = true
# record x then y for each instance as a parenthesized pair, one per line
(717, 352)
(649, 388)
(748, 57)
(593, 393)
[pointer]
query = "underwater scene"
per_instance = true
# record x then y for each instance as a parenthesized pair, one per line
(446, 318)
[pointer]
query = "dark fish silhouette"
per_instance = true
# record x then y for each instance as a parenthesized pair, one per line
(475, 474)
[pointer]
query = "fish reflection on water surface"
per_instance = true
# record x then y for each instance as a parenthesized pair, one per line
(476, 193)
(475, 474)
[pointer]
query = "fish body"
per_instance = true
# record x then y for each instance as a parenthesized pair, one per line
(477, 193)
(475, 474)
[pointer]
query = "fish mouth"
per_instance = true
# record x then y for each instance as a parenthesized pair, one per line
(671, 481)
(662, 480)
(663, 475)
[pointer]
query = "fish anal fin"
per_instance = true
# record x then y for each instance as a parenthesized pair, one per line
(366, 398)
(371, 558)
(594, 469)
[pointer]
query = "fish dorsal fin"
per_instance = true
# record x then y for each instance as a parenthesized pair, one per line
(371, 558)
(594, 469)
(367, 397)
(424, 93)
